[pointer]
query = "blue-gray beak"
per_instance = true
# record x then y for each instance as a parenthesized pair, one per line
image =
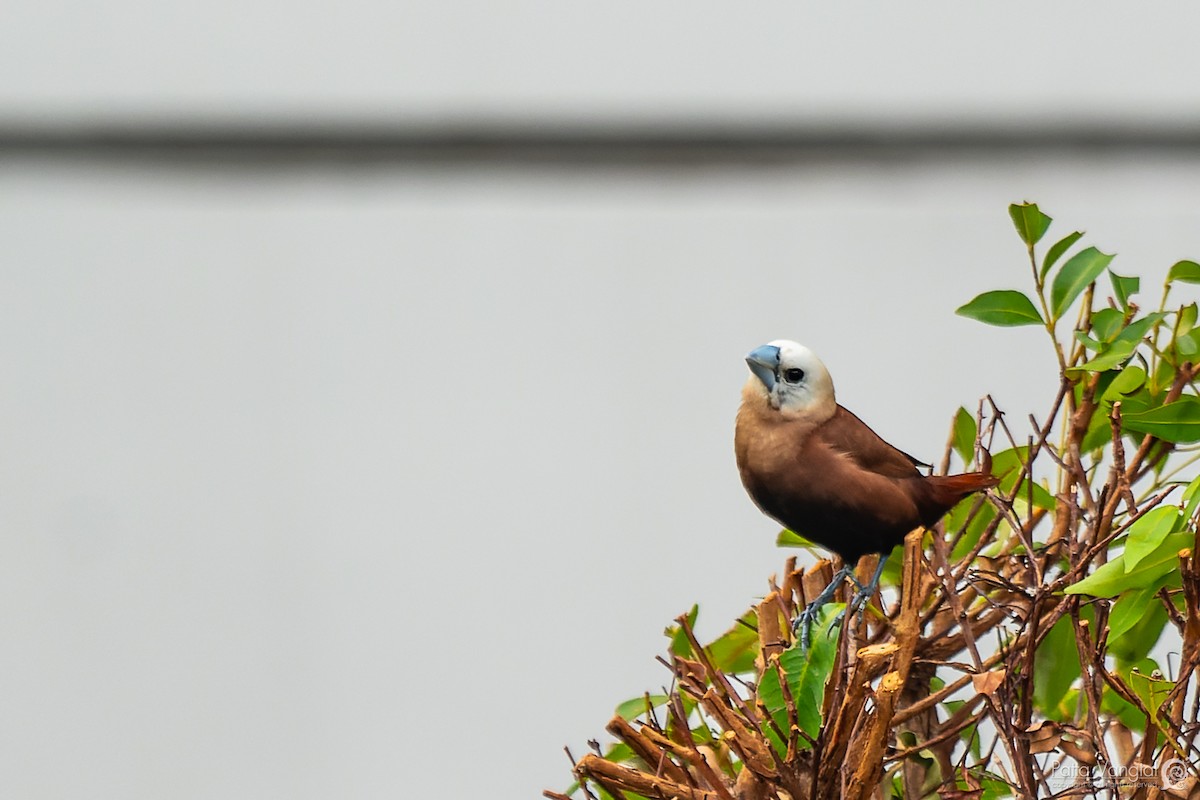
(763, 362)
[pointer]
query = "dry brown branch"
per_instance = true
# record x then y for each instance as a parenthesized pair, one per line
(619, 778)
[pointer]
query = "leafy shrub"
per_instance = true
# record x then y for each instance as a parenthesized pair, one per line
(1017, 658)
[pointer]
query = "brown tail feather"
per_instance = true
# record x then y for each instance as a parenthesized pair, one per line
(946, 490)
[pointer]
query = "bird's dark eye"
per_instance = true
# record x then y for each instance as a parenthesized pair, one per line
(793, 375)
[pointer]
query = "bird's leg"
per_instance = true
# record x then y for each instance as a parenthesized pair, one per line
(865, 593)
(854, 579)
(806, 617)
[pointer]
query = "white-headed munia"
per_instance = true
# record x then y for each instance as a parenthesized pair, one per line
(818, 470)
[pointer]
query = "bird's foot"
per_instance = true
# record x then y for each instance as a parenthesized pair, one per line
(855, 606)
(862, 597)
(804, 622)
(808, 616)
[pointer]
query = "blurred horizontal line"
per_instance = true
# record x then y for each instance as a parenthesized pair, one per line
(580, 144)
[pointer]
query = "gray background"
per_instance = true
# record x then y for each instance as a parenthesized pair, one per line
(369, 371)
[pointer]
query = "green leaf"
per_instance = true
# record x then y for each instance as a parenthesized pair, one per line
(1191, 498)
(1128, 610)
(1010, 459)
(1005, 307)
(618, 753)
(1188, 344)
(1107, 323)
(1099, 432)
(1087, 341)
(1124, 287)
(1102, 383)
(1122, 347)
(1114, 705)
(1137, 643)
(1185, 271)
(1129, 381)
(1164, 376)
(893, 570)
(1134, 645)
(734, 650)
(1030, 221)
(1114, 355)
(806, 672)
(1056, 251)
(680, 645)
(636, 706)
(769, 692)
(1187, 318)
(1080, 270)
(995, 788)
(788, 538)
(964, 435)
(1148, 532)
(1135, 331)
(812, 670)
(1177, 422)
(975, 528)
(1055, 667)
(1007, 464)
(1110, 579)
(1150, 686)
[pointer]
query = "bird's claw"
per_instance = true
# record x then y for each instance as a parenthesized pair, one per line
(857, 605)
(803, 625)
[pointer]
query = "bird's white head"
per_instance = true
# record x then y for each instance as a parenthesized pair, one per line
(794, 380)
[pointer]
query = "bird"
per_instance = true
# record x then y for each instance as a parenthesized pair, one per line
(817, 469)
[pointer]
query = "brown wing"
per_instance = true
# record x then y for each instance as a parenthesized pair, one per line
(847, 507)
(846, 433)
(837, 483)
